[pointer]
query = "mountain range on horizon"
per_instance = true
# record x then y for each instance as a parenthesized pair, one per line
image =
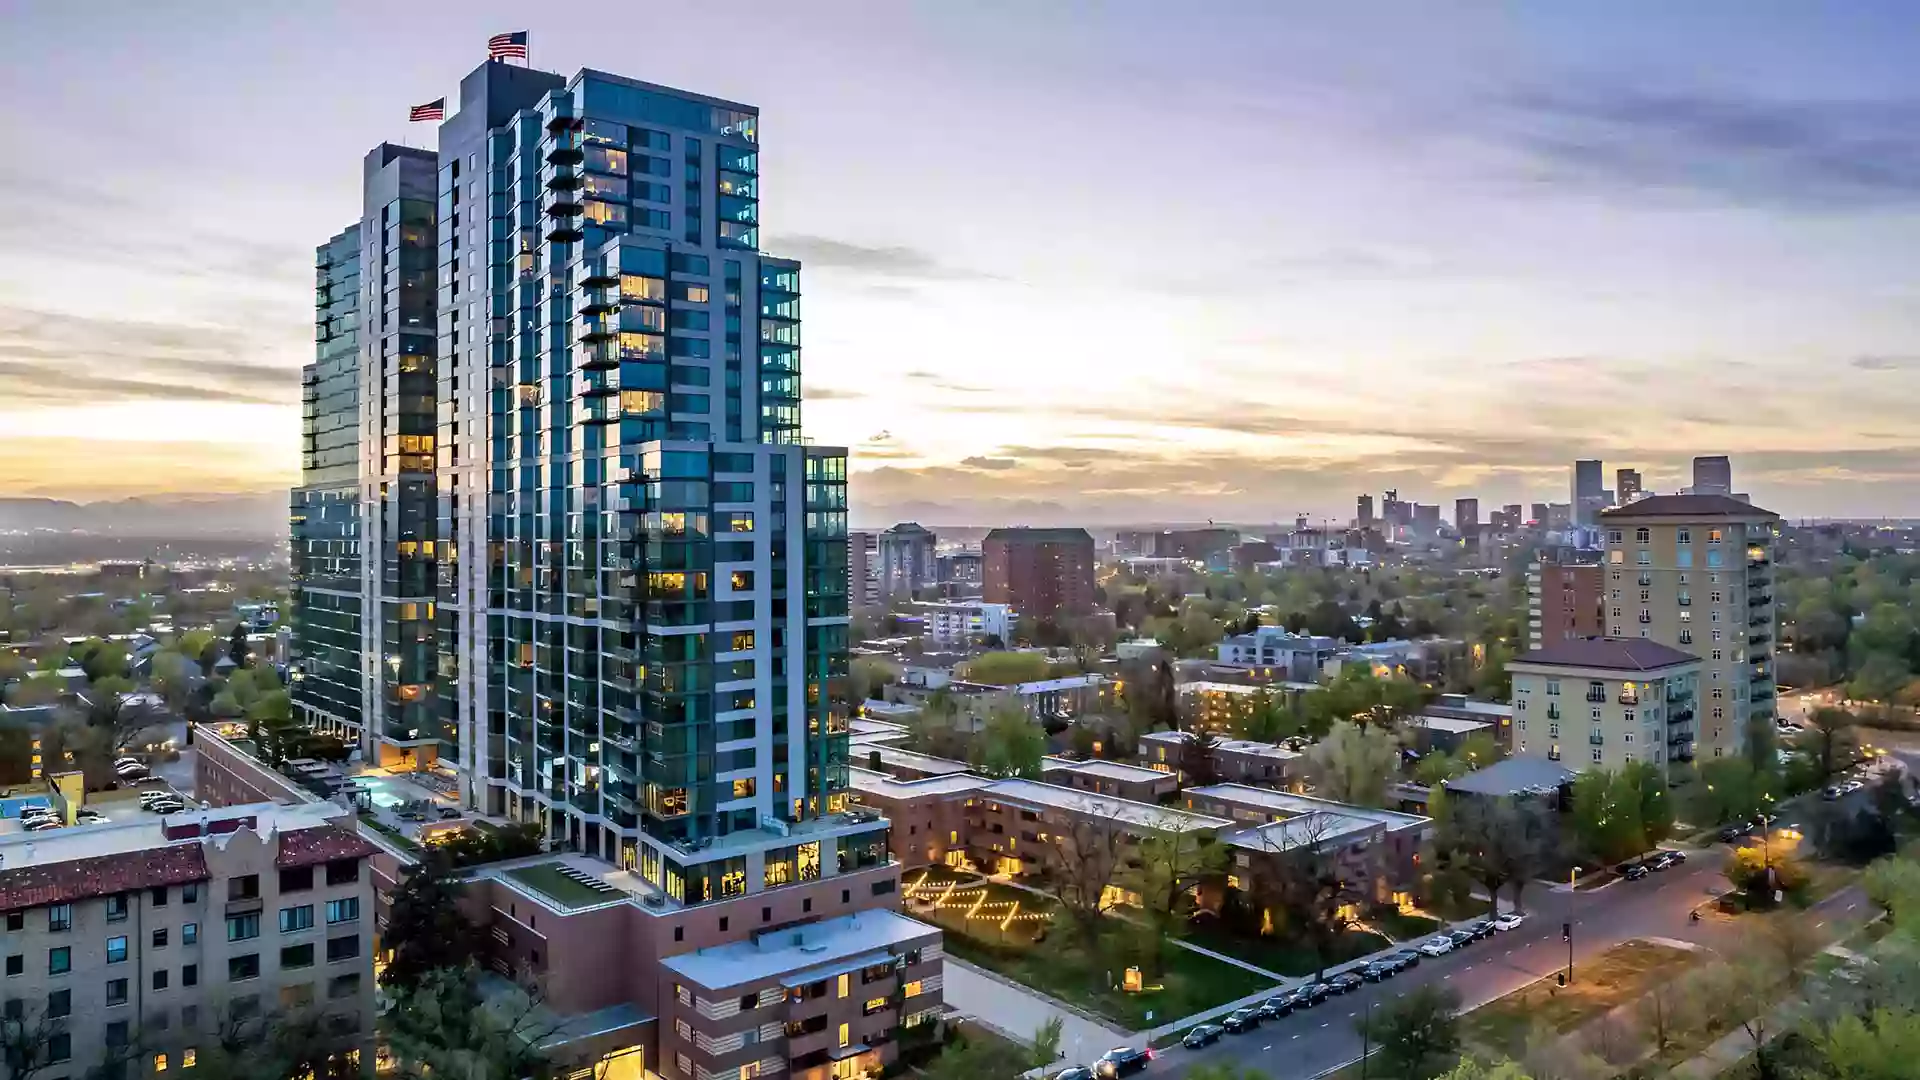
(259, 514)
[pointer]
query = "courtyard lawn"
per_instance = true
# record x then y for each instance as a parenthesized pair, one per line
(1285, 957)
(1403, 927)
(547, 880)
(1615, 977)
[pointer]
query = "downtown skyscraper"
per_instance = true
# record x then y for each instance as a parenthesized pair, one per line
(637, 568)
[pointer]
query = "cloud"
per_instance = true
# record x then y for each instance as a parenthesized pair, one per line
(1885, 363)
(939, 382)
(899, 261)
(990, 463)
(1807, 154)
(832, 393)
(52, 357)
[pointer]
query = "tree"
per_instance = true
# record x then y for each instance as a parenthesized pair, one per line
(443, 1026)
(1759, 872)
(1438, 767)
(1499, 841)
(1894, 884)
(1733, 789)
(173, 676)
(867, 675)
(237, 649)
(990, 1059)
(1356, 694)
(1010, 745)
(1309, 896)
(1623, 812)
(1166, 867)
(1884, 1045)
(1354, 763)
(1475, 1069)
(25, 1042)
(1480, 751)
(1007, 668)
(1197, 758)
(1080, 871)
(1832, 737)
(1045, 1046)
(1265, 718)
(425, 929)
(1418, 1033)
(1224, 1072)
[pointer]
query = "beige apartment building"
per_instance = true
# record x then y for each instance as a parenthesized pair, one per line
(1696, 572)
(142, 941)
(1631, 699)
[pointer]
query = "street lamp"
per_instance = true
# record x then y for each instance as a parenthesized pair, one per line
(1366, 1038)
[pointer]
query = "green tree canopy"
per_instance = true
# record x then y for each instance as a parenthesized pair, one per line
(1007, 668)
(1354, 764)
(1010, 745)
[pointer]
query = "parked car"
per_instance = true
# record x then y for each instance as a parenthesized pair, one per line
(1510, 921)
(1122, 1061)
(1831, 793)
(1202, 1035)
(1463, 938)
(1634, 872)
(1668, 858)
(1277, 1006)
(1407, 958)
(1739, 830)
(1318, 992)
(1439, 946)
(1852, 786)
(1345, 983)
(1481, 929)
(1377, 970)
(89, 817)
(1242, 1020)
(1074, 1072)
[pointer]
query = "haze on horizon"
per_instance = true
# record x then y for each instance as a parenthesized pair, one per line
(1076, 262)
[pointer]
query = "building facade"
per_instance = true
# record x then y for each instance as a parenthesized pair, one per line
(1635, 700)
(1712, 475)
(1696, 572)
(1041, 573)
(907, 562)
(863, 569)
(961, 623)
(1627, 486)
(1564, 600)
(326, 644)
(1589, 492)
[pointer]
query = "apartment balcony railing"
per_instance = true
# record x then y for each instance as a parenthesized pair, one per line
(1597, 697)
(1758, 639)
(1597, 740)
(1759, 600)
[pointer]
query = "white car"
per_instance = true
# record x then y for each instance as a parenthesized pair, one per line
(117, 762)
(1439, 946)
(1510, 921)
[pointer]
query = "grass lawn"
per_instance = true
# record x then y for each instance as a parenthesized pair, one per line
(1190, 983)
(1284, 957)
(547, 880)
(1403, 927)
(1615, 977)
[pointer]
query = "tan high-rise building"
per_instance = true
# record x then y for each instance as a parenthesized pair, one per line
(1696, 572)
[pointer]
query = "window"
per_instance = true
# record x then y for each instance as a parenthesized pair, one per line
(190, 893)
(1642, 535)
(244, 887)
(873, 1005)
(190, 975)
(60, 1003)
(60, 1047)
(116, 950)
(293, 919)
(1643, 557)
(342, 986)
(116, 907)
(16, 965)
(243, 967)
(296, 997)
(159, 1063)
(1553, 687)
(912, 989)
(1683, 535)
(843, 1030)
(339, 911)
(157, 896)
(60, 917)
(296, 879)
(243, 927)
(15, 1009)
(296, 956)
(344, 948)
(343, 871)
(60, 960)
(16, 920)
(882, 888)
(1596, 753)
(189, 1057)
(116, 992)
(841, 986)
(159, 978)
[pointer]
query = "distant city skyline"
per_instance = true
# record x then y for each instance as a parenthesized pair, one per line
(1448, 252)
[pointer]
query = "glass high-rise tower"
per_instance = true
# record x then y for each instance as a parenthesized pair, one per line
(643, 573)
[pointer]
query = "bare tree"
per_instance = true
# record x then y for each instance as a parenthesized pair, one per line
(1319, 903)
(26, 1043)
(1833, 731)
(1499, 841)
(1166, 867)
(1086, 856)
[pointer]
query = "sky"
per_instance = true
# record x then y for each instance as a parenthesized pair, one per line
(1087, 263)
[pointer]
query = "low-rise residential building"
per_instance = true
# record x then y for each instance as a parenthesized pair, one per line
(143, 939)
(1633, 698)
(1215, 706)
(1381, 848)
(1300, 656)
(1134, 782)
(1444, 733)
(957, 624)
(1240, 761)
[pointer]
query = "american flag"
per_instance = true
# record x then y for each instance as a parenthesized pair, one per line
(502, 46)
(432, 110)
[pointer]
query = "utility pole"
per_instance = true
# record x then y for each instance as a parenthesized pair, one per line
(1366, 1038)
(1566, 934)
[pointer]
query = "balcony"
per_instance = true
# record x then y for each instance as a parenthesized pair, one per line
(589, 328)
(566, 149)
(599, 301)
(1596, 740)
(1680, 716)
(597, 382)
(1758, 639)
(1760, 620)
(1598, 697)
(1759, 600)
(599, 410)
(563, 230)
(598, 354)
(1683, 755)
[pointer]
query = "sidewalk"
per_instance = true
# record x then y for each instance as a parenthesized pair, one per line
(1017, 1011)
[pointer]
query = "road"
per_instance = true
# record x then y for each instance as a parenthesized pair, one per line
(1323, 1038)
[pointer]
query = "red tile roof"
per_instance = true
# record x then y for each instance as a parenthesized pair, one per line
(102, 875)
(1684, 506)
(310, 847)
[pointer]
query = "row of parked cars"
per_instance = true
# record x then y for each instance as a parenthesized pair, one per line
(1664, 860)
(1310, 994)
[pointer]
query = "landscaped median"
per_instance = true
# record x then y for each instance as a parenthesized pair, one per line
(1023, 935)
(1619, 975)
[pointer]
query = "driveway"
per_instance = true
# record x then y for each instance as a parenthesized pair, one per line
(1017, 1011)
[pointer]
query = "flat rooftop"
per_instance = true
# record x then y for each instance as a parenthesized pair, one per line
(801, 954)
(1308, 830)
(907, 759)
(1231, 746)
(875, 783)
(1287, 804)
(1106, 770)
(1126, 811)
(145, 831)
(1451, 724)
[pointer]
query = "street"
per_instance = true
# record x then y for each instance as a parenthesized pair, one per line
(1323, 1038)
